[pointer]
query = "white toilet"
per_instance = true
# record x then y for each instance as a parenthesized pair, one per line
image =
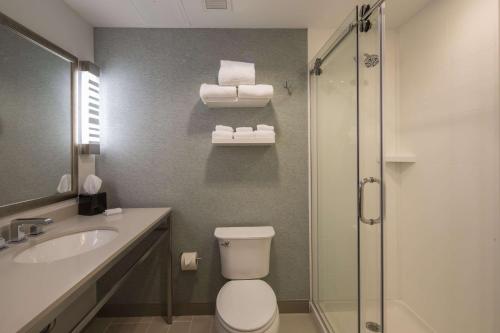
(246, 303)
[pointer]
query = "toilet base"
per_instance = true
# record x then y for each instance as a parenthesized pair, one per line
(220, 327)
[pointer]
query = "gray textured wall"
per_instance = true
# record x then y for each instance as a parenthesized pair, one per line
(35, 119)
(156, 148)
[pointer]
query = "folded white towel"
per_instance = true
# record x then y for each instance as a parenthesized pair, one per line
(244, 135)
(211, 92)
(224, 128)
(244, 129)
(265, 134)
(264, 127)
(222, 135)
(234, 73)
(255, 91)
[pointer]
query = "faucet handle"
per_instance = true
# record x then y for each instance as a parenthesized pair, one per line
(17, 227)
(37, 229)
(19, 235)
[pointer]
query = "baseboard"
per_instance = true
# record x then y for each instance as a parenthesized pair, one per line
(194, 309)
(186, 309)
(294, 306)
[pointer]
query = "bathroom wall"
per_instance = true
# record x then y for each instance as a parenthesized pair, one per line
(320, 31)
(156, 148)
(55, 21)
(446, 103)
(316, 38)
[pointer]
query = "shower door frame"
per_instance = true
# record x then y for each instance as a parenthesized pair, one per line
(376, 7)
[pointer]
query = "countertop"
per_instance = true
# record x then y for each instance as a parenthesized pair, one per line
(28, 292)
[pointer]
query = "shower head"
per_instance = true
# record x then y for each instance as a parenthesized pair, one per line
(371, 60)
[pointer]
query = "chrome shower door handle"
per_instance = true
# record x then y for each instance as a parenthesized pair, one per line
(361, 199)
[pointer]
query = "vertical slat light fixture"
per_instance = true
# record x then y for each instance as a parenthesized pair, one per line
(89, 119)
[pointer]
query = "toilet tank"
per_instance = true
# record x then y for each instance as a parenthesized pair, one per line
(244, 251)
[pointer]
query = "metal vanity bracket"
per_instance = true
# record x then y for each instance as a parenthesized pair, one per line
(166, 236)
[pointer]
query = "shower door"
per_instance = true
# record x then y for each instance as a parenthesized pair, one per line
(370, 169)
(346, 179)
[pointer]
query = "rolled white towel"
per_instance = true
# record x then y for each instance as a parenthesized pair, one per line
(255, 91)
(244, 129)
(211, 92)
(265, 134)
(244, 135)
(223, 128)
(264, 127)
(222, 135)
(234, 73)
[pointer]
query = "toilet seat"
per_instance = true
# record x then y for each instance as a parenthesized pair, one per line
(246, 305)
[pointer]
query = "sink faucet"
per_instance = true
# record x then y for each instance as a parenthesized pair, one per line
(17, 232)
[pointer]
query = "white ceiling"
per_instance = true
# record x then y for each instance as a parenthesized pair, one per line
(191, 13)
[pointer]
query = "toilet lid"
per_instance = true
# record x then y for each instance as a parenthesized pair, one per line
(246, 305)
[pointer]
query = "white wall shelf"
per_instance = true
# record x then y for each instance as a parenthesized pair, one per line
(400, 158)
(243, 142)
(237, 103)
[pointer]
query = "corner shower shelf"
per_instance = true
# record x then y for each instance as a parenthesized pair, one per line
(400, 158)
(243, 142)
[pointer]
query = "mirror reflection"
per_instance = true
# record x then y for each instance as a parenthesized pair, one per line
(35, 120)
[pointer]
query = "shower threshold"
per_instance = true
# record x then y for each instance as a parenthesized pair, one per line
(342, 316)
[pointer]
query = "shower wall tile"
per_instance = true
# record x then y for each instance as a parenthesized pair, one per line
(445, 233)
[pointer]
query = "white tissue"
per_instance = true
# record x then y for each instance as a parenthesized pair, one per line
(92, 184)
(64, 184)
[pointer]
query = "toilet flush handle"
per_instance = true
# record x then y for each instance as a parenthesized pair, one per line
(225, 243)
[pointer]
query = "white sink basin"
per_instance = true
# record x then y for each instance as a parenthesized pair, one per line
(66, 246)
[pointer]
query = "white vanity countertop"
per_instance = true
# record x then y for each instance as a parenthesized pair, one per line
(30, 291)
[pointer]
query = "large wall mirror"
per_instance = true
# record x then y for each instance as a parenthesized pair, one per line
(37, 112)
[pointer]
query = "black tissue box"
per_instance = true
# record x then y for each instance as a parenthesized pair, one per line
(92, 204)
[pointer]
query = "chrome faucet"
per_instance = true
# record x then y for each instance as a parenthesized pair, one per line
(17, 232)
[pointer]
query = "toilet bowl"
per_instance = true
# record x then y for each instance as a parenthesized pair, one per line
(245, 304)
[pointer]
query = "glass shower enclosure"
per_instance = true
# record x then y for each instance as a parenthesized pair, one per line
(405, 167)
(347, 176)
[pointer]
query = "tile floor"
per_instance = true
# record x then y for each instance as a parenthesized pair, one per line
(289, 323)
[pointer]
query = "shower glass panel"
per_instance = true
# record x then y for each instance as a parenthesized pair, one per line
(428, 261)
(370, 172)
(334, 93)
